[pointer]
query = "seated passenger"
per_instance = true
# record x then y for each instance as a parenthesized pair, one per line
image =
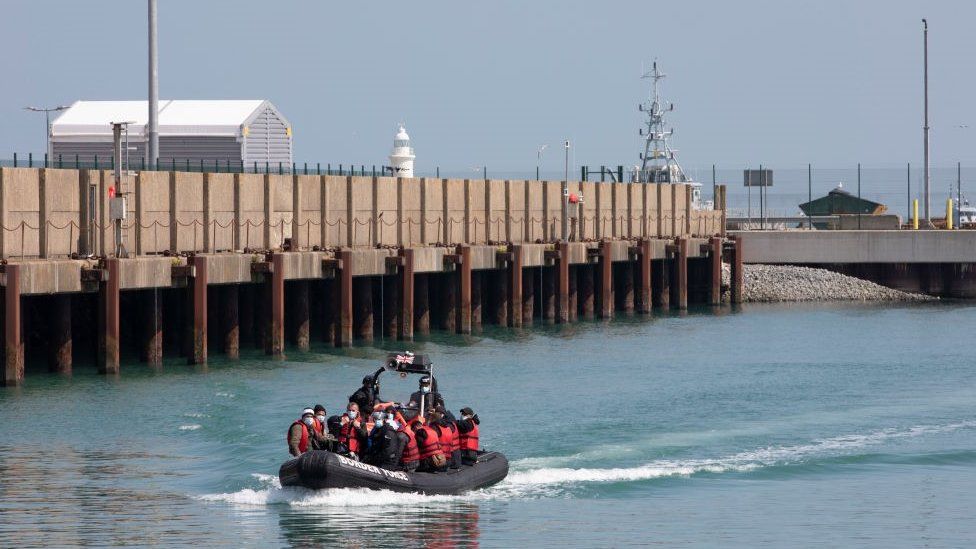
(448, 434)
(386, 446)
(323, 439)
(352, 432)
(468, 436)
(407, 442)
(300, 433)
(432, 459)
(428, 390)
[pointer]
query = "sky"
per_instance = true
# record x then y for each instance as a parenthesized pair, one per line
(477, 84)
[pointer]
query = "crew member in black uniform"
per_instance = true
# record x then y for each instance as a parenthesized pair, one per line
(367, 396)
(432, 398)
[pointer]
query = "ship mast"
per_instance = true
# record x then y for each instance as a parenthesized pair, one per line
(658, 158)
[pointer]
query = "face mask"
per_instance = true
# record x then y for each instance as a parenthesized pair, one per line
(352, 414)
(307, 421)
(321, 419)
(425, 390)
(378, 424)
(393, 424)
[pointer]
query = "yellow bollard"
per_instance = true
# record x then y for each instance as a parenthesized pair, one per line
(949, 214)
(915, 214)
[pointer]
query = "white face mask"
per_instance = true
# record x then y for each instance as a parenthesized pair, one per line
(352, 414)
(425, 389)
(307, 421)
(321, 419)
(393, 424)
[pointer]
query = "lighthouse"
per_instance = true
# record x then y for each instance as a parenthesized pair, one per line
(401, 159)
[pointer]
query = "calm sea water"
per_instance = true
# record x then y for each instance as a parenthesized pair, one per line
(776, 425)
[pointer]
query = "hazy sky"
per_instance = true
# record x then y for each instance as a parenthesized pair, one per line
(487, 83)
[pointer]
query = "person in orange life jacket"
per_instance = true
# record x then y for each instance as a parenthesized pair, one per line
(301, 433)
(410, 454)
(352, 431)
(448, 434)
(432, 398)
(468, 436)
(432, 458)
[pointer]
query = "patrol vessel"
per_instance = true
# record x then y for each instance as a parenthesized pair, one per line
(659, 163)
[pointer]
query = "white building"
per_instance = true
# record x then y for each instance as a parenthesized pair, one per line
(224, 131)
(401, 159)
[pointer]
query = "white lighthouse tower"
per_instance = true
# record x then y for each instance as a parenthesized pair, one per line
(401, 159)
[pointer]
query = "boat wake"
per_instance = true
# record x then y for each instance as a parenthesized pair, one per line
(531, 478)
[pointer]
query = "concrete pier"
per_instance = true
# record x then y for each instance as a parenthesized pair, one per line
(520, 290)
(406, 274)
(108, 319)
(346, 282)
(13, 337)
(606, 280)
(464, 285)
(199, 353)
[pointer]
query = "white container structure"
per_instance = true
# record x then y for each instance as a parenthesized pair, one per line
(234, 133)
(402, 157)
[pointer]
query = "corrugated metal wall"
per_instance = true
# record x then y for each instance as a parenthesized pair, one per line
(267, 139)
(207, 148)
(87, 151)
(199, 147)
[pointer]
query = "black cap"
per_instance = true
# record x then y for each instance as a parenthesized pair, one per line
(319, 408)
(425, 380)
(467, 412)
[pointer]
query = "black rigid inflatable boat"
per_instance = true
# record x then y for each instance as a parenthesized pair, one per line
(320, 469)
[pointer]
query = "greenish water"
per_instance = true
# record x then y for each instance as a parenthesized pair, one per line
(777, 426)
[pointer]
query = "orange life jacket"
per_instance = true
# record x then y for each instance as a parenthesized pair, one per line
(318, 426)
(410, 451)
(448, 437)
(350, 437)
(469, 440)
(303, 443)
(431, 445)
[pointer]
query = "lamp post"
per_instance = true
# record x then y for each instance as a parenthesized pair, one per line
(538, 159)
(925, 127)
(565, 193)
(152, 132)
(47, 122)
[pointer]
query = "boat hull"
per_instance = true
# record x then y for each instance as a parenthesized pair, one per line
(320, 469)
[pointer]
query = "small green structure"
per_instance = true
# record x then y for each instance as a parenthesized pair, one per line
(839, 202)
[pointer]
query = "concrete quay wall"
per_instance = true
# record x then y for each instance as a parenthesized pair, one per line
(819, 247)
(41, 212)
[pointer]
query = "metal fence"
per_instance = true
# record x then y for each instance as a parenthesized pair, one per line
(77, 162)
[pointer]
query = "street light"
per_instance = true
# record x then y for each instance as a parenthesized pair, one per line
(538, 159)
(47, 121)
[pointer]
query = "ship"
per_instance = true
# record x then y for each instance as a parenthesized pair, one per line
(659, 162)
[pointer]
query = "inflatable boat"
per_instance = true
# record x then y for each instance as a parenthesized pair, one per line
(320, 469)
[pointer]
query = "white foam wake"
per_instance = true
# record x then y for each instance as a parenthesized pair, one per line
(273, 493)
(530, 478)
